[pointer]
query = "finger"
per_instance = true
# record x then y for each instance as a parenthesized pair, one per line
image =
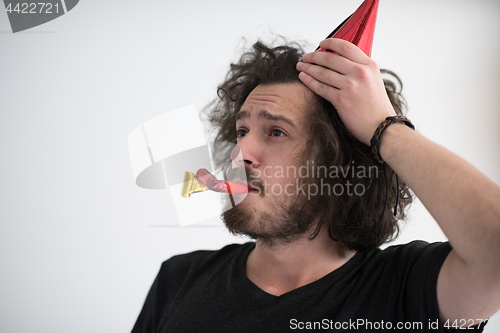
(327, 92)
(329, 60)
(345, 49)
(322, 74)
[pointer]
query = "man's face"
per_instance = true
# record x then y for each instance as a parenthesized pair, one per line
(272, 136)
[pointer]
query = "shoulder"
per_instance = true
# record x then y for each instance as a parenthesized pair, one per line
(417, 248)
(414, 252)
(202, 260)
(406, 269)
(415, 260)
(412, 271)
(179, 275)
(207, 255)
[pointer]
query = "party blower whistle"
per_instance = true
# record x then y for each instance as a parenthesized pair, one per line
(204, 180)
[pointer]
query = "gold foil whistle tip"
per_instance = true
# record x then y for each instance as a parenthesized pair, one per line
(191, 185)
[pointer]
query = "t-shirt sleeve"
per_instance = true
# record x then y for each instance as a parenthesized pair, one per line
(147, 320)
(421, 289)
(165, 288)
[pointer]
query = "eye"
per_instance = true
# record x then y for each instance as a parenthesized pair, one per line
(241, 133)
(277, 132)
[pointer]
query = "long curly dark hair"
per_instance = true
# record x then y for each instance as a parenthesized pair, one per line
(359, 222)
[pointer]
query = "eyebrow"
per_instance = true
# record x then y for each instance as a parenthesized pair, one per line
(263, 114)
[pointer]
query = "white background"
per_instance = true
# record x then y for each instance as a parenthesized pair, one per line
(78, 252)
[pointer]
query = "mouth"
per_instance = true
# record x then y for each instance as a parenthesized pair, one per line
(244, 179)
(251, 189)
(257, 189)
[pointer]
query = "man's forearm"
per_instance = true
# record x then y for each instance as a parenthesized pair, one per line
(464, 202)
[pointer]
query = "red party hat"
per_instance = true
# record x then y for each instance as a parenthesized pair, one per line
(359, 27)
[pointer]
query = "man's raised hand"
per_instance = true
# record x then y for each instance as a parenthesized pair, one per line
(352, 82)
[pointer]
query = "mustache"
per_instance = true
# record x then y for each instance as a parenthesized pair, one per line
(246, 175)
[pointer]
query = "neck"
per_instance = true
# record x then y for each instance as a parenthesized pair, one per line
(280, 268)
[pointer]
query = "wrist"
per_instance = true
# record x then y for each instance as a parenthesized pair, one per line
(388, 128)
(393, 136)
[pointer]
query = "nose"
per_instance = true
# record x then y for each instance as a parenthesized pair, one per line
(247, 152)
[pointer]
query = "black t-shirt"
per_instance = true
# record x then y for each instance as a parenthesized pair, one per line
(377, 291)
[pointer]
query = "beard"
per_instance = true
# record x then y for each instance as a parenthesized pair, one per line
(287, 220)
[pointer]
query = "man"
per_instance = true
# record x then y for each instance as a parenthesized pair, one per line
(315, 263)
